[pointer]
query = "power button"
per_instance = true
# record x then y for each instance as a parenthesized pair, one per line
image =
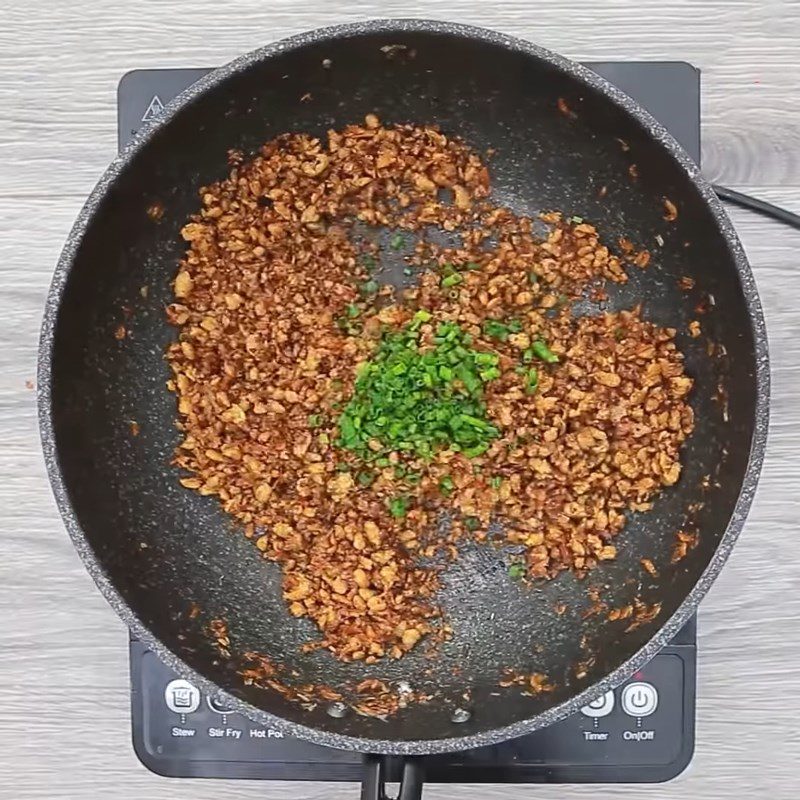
(639, 699)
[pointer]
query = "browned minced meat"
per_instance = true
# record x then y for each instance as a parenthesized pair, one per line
(272, 264)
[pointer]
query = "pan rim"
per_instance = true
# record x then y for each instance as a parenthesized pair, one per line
(757, 445)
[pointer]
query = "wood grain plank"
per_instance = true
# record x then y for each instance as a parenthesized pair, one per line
(750, 100)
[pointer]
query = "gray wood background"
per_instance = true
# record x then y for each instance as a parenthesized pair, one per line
(64, 723)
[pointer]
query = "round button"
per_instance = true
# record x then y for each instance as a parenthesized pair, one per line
(600, 707)
(218, 707)
(639, 699)
(181, 696)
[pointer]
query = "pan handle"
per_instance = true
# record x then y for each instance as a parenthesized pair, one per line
(373, 782)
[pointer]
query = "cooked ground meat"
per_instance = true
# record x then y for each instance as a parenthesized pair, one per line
(560, 426)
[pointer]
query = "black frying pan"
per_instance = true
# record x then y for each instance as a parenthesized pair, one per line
(156, 549)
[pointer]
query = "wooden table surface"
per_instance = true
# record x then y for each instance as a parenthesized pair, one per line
(64, 718)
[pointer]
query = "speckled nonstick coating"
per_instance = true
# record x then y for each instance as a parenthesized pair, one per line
(154, 548)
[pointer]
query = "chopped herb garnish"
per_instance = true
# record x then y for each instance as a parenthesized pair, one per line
(369, 262)
(397, 241)
(496, 481)
(353, 310)
(420, 401)
(369, 287)
(576, 220)
(398, 507)
(532, 381)
(446, 485)
(472, 265)
(365, 478)
(516, 571)
(542, 351)
(314, 420)
(496, 330)
(421, 316)
(452, 280)
(472, 523)
(348, 325)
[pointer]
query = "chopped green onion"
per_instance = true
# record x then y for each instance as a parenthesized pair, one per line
(495, 330)
(398, 507)
(576, 220)
(451, 280)
(353, 310)
(397, 241)
(496, 481)
(532, 381)
(416, 402)
(365, 478)
(472, 523)
(446, 485)
(516, 571)
(369, 287)
(369, 262)
(542, 351)
(314, 420)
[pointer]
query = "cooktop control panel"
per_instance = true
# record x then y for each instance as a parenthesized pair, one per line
(642, 731)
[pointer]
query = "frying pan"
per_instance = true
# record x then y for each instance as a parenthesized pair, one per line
(157, 550)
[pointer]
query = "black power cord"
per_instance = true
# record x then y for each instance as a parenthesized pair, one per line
(759, 206)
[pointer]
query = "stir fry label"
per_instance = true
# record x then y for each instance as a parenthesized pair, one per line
(225, 733)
